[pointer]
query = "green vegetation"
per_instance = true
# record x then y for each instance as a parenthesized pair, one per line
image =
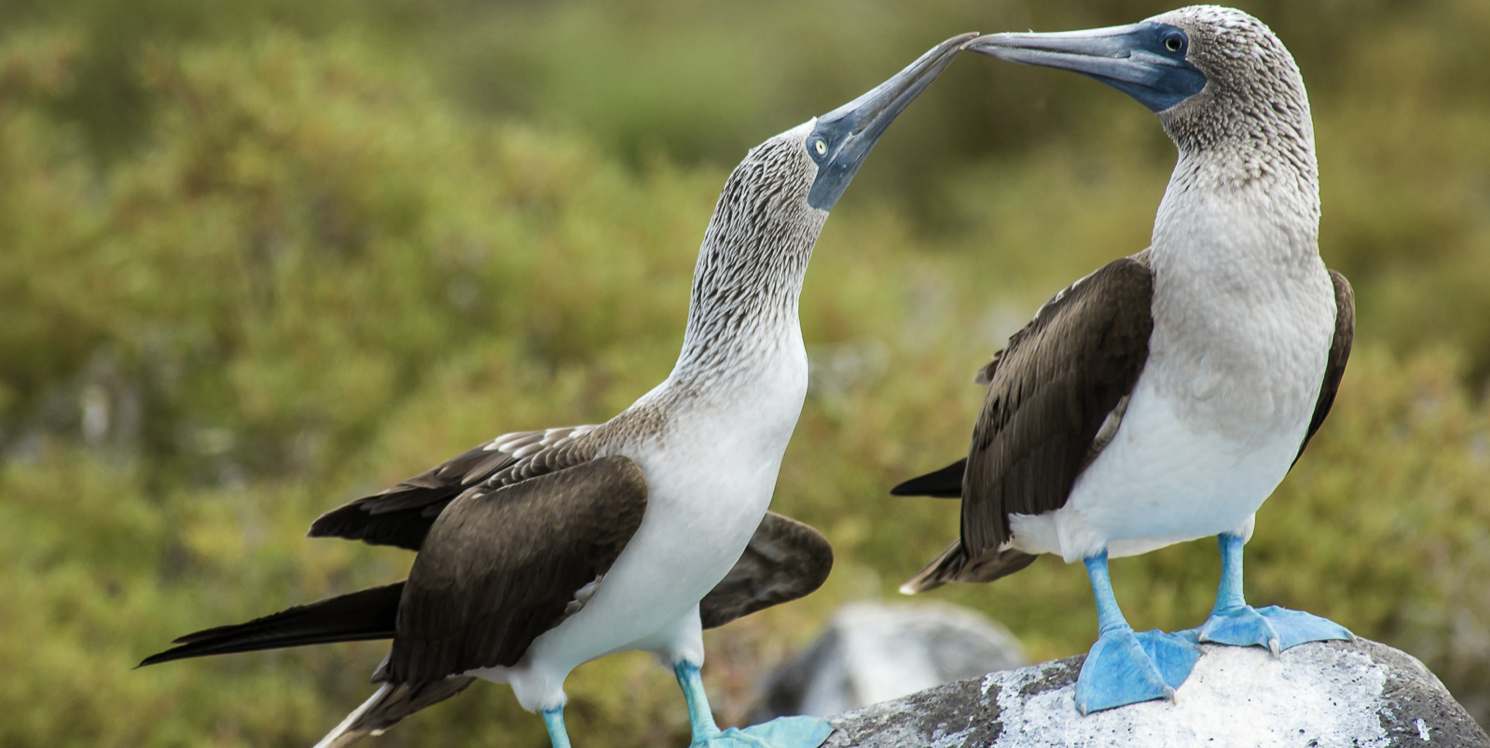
(256, 262)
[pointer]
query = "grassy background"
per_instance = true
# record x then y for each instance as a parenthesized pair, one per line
(257, 259)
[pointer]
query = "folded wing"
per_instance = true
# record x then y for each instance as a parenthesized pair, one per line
(1055, 396)
(499, 568)
(785, 560)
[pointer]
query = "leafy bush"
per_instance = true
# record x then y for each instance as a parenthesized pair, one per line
(310, 274)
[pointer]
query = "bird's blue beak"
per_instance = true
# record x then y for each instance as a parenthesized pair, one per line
(844, 136)
(1144, 60)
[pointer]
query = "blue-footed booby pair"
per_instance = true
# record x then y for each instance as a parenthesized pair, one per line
(1163, 397)
(542, 550)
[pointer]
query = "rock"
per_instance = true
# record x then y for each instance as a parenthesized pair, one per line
(1322, 695)
(874, 652)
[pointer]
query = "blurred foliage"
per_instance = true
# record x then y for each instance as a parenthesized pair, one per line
(259, 258)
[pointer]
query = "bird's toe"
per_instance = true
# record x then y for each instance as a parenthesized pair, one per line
(1295, 627)
(783, 732)
(1127, 668)
(1275, 628)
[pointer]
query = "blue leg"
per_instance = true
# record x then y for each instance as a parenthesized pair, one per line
(699, 714)
(784, 732)
(1235, 622)
(554, 720)
(1124, 667)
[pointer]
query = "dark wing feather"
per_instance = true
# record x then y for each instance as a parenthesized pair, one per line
(500, 568)
(1049, 393)
(1334, 369)
(403, 514)
(785, 560)
(1054, 386)
(359, 616)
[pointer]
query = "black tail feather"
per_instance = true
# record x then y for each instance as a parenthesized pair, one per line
(942, 484)
(359, 616)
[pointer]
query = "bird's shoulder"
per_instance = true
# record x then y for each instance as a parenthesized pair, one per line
(1115, 299)
(402, 514)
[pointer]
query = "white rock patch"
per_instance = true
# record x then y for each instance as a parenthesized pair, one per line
(1237, 697)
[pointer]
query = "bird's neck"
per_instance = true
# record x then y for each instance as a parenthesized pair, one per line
(743, 323)
(1246, 154)
(1243, 307)
(1241, 203)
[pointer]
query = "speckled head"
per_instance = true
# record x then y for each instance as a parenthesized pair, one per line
(777, 198)
(1211, 74)
(755, 252)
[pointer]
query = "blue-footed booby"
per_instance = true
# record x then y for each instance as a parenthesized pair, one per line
(1163, 397)
(542, 550)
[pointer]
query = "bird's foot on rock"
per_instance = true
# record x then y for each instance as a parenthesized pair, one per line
(1124, 667)
(1272, 627)
(783, 732)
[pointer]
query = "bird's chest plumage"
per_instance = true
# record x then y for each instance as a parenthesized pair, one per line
(710, 469)
(716, 482)
(1240, 350)
(1235, 364)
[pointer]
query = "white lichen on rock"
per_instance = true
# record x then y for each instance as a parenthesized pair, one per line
(1324, 695)
(1237, 697)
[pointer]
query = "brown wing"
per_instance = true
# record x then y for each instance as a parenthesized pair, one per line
(1050, 391)
(1334, 369)
(403, 514)
(500, 568)
(1055, 397)
(785, 560)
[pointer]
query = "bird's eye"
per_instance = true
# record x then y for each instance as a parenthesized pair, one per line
(1173, 43)
(819, 146)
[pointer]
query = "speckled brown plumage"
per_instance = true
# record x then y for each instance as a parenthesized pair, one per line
(402, 515)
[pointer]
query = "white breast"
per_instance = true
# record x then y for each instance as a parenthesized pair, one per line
(1243, 321)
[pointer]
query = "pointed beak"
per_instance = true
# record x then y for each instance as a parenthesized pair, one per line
(848, 133)
(1144, 60)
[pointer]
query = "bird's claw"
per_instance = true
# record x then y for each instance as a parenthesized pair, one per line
(1276, 628)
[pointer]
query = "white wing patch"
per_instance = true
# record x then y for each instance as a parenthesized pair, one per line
(1110, 426)
(520, 444)
(582, 596)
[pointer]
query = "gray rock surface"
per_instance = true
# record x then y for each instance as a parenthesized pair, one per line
(1322, 695)
(873, 652)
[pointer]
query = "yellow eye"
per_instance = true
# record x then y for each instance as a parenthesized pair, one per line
(820, 147)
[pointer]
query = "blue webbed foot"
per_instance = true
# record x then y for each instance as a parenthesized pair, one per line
(1235, 622)
(1272, 627)
(783, 732)
(1124, 667)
